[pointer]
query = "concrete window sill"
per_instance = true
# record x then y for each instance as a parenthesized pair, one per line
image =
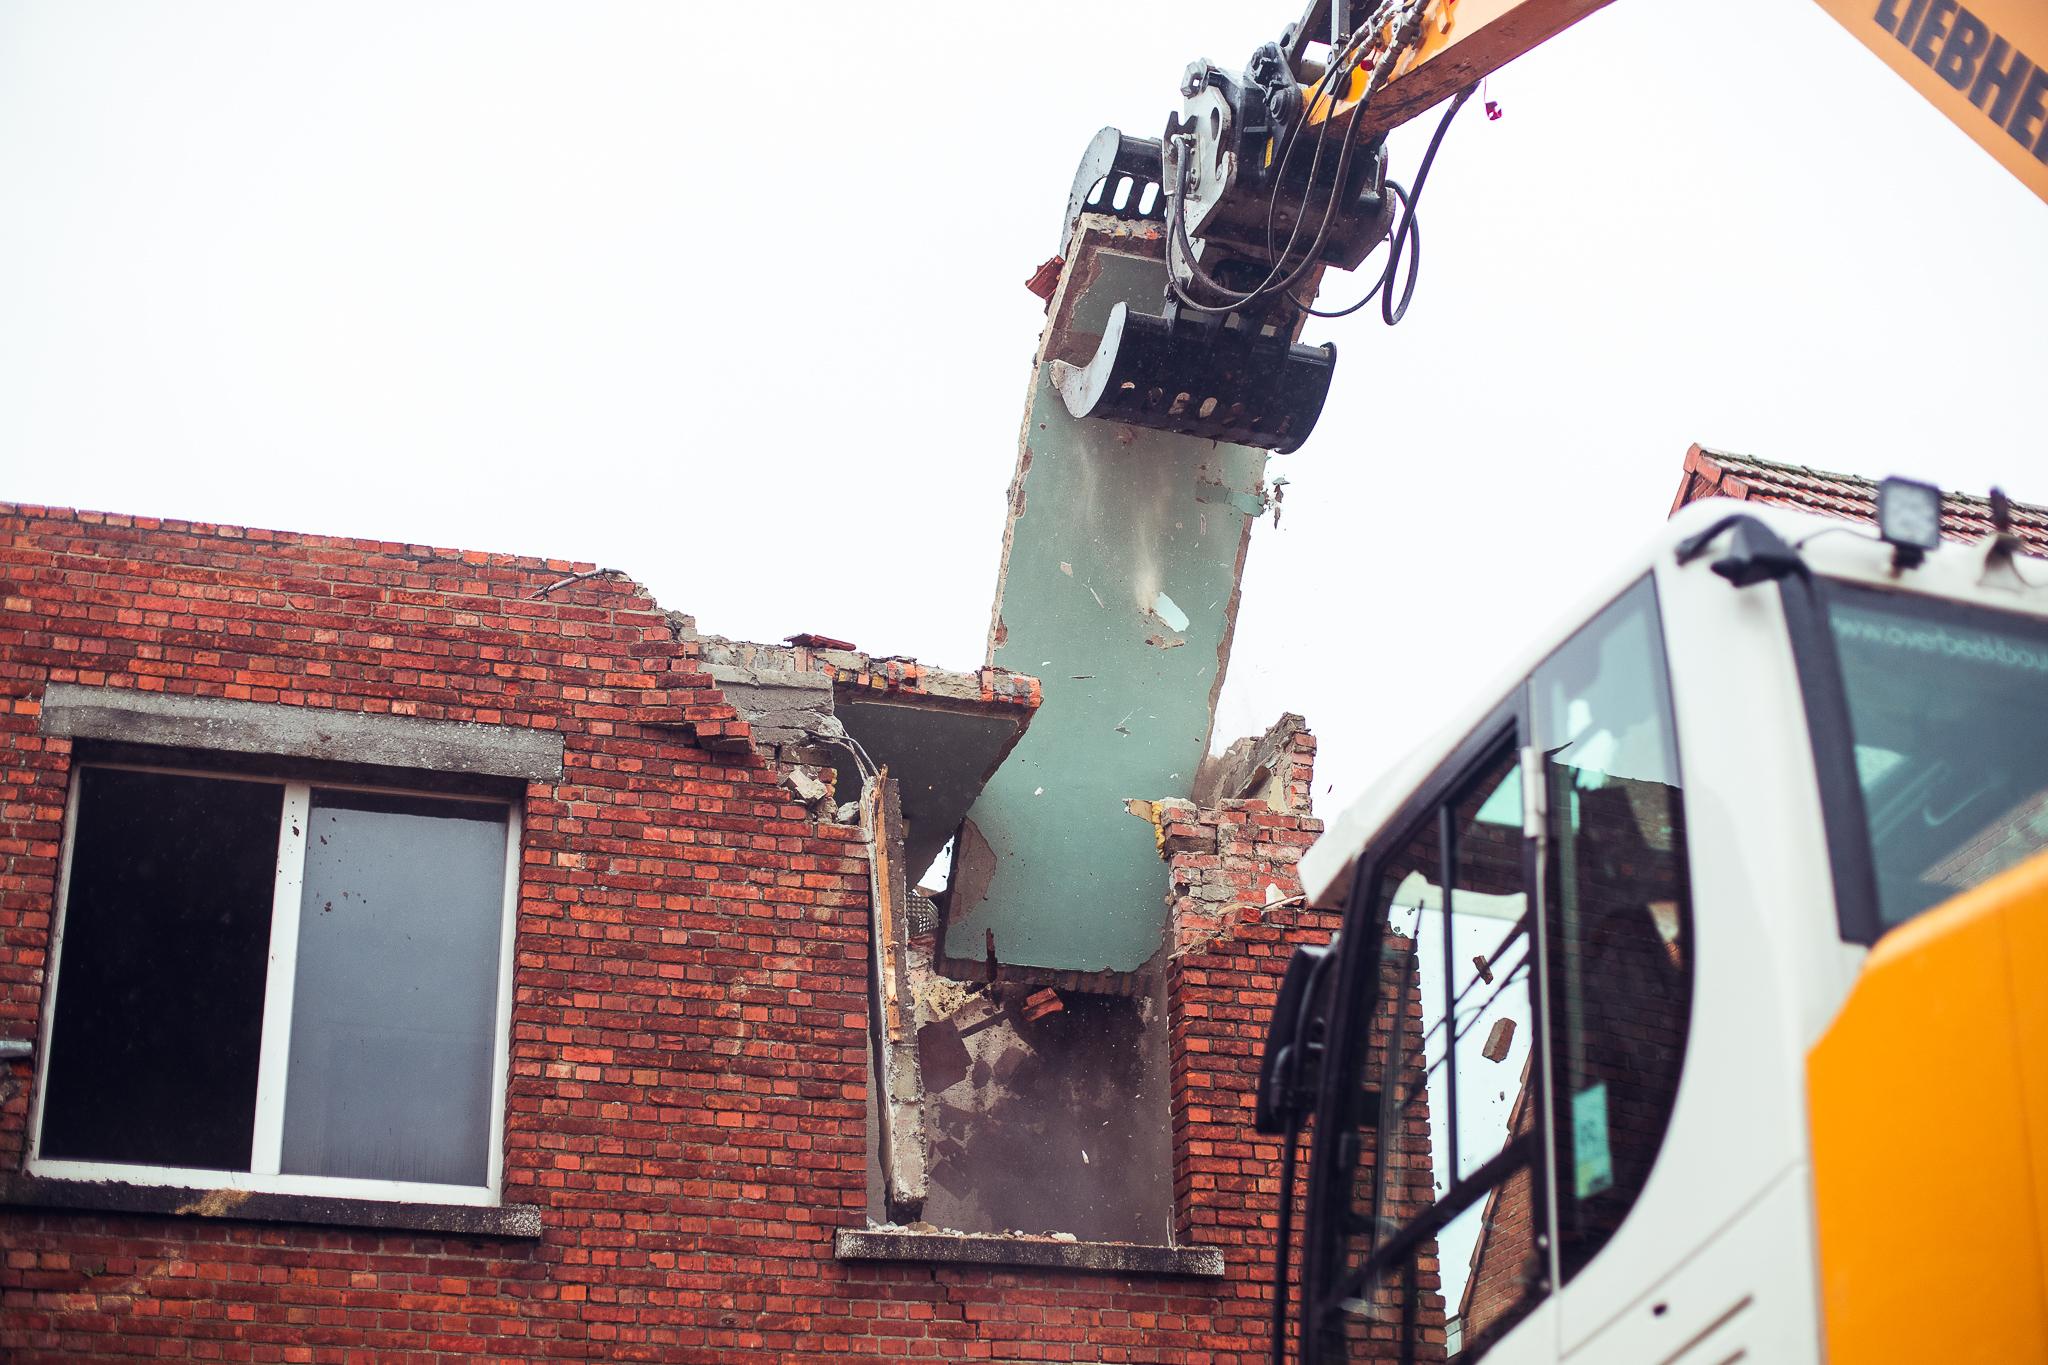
(21, 1191)
(960, 1248)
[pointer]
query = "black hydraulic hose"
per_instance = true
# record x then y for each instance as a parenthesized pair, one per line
(1387, 274)
(1281, 1251)
(1388, 310)
(1406, 239)
(1279, 277)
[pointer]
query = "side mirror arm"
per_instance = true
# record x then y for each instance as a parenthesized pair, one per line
(1292, 1065)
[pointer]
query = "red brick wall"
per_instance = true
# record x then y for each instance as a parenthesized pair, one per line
(1231, 946)
(1223, 973)
(687, 1058)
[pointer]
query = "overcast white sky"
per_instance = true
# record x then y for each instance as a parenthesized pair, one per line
(741, 312)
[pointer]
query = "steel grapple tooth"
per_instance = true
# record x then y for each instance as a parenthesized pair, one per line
(1201, 378)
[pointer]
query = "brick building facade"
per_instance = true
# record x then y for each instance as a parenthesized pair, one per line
(685, 1155)
(688, 1147)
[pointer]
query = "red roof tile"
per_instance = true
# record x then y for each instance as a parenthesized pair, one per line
(1719, 474)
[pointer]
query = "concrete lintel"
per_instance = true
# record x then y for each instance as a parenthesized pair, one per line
(1133, 983)
(855, 674)
(961, 1248)
(730, 675)
(22, 1191)
(788, 713)
(252, 727)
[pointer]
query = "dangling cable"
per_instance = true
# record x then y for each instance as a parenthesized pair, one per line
(1386, 274)
(1275, 281)
(1388, 310)
(1405, 239)
(1404, 17)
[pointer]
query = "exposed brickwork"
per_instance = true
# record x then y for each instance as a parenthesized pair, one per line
(1231, 941)
(686, 1073)
(1227, 864)
(1277, 767)
(1224, 966)
(688, 1082)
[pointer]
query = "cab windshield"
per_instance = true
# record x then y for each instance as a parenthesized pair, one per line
(1948, 712)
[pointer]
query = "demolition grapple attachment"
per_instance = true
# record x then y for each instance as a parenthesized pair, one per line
(1201, 375)
(1258, 187)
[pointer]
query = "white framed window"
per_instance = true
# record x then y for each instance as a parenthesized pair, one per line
(281, 986)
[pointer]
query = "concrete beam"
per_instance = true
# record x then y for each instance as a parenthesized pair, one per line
(250, 727)
(19, 1190)
(960, 1248)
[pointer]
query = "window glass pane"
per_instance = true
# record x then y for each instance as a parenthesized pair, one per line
(1404, 1038)
(1442, 1094)
(1493, 1258)
(1946, 711)
(1490, 971)
(1621, 958)
(1490, 968)
(159, 1017)
(394, 1011)
(1392, 1180)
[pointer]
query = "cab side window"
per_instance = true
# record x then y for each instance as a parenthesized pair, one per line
(1445, 1242)
(1448, 1133)
(1618, 913)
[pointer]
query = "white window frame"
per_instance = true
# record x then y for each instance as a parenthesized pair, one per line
(264, 1175)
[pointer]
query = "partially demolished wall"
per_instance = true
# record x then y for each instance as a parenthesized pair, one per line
(1237, 916)
(901, 750)
(750, 1079)
(687, 1165)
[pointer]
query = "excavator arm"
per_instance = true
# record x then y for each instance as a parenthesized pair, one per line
(1264, 179)
(1976, 64)
(1269, 176)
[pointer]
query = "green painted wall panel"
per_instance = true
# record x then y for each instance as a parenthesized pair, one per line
(1113, 517)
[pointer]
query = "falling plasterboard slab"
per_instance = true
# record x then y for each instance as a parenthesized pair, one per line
(1121, 565)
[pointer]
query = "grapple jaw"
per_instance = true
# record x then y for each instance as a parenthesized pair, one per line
(1197, 375)
(1119, 176)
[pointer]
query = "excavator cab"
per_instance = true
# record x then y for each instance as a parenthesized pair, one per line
(1640, 954)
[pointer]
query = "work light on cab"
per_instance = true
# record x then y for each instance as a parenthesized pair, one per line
(1909, 519)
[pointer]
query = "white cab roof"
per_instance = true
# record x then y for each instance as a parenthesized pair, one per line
(1831, 545)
